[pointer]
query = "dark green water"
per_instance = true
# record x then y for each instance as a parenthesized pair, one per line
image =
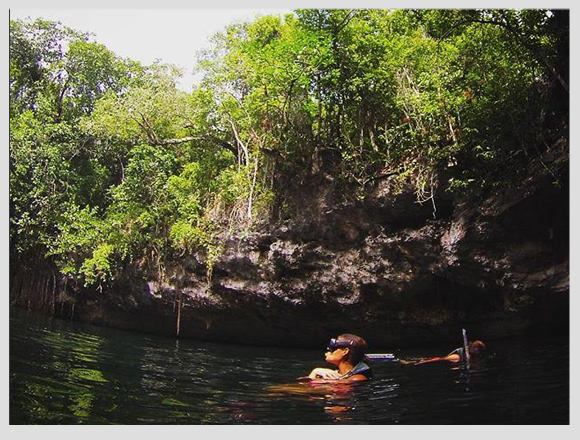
(70, 373)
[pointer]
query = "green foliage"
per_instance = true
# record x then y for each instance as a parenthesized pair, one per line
(80, 234)
(411, 89)
(112, 165)
(98, 267)
(232, 184)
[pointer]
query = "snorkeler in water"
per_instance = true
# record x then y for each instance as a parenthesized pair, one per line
(476, 350)
(347, 353)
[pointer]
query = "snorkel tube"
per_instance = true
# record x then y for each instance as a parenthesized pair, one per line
(465, 347)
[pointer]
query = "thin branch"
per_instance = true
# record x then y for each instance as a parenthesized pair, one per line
(59, 100)
(224, 144)
(176, 141)
(345, 21)
(252, 187)
(240, 143)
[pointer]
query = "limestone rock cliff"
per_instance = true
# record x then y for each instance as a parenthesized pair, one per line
(496, 263)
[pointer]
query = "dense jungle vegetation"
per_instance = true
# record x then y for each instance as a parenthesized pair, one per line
(111, 165)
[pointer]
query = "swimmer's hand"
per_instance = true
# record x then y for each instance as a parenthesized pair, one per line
(324, 373)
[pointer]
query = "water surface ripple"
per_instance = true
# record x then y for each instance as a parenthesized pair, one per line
(65, 372)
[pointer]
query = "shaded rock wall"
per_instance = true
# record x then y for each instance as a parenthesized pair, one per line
(496, 263)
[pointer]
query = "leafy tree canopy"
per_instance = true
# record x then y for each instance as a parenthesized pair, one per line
(112, 165)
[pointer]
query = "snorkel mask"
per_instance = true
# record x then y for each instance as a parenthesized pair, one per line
(335, 343)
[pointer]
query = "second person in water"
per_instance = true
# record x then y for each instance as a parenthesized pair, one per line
(476, 350)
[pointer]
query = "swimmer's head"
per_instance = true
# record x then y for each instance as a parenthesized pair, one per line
(476, 348)
(346, 347)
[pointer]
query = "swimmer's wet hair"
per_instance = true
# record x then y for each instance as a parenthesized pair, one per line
(476, 348)
(357, 347)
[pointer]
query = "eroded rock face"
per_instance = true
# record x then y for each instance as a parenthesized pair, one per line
(497, 264)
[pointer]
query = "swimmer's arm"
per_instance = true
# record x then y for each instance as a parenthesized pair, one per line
(324, 373)
(452, 357)
(434, 359)
(316, 374)
(355, 378)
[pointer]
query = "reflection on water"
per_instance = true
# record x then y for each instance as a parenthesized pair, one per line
(69, 373)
